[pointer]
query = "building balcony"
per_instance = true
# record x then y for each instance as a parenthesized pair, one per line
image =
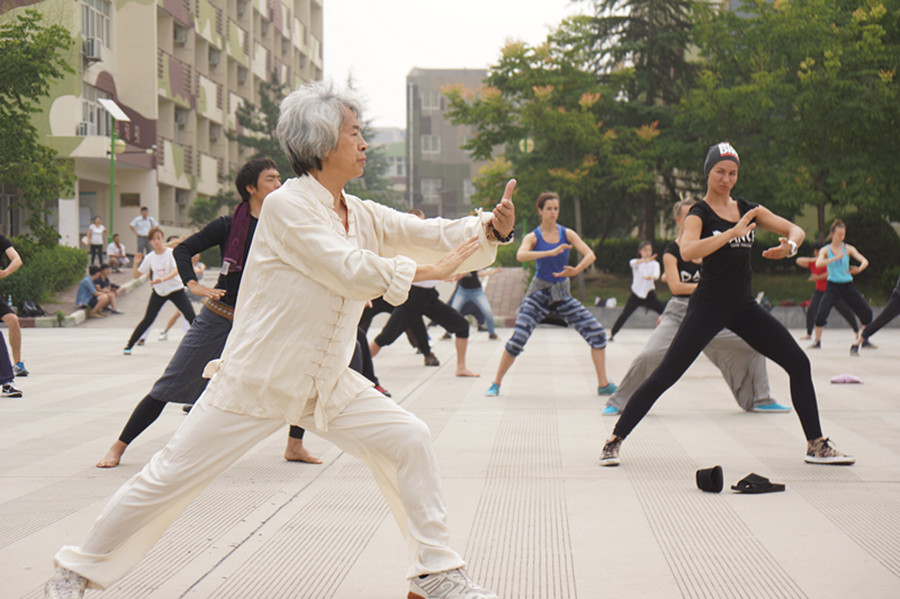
(173, 79)
(175, 163)
(237, 45)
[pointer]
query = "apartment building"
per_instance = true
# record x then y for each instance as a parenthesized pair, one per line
(176, 72)
(439, 173)
(393, 141)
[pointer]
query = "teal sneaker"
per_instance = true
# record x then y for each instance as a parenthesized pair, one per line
(493, 390)
(127, 351)
(608, 390)
(610, 411)
(772, 408)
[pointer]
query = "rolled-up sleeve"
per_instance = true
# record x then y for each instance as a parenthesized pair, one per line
(308, 241)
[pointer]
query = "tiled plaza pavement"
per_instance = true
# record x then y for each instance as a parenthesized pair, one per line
(530, 507)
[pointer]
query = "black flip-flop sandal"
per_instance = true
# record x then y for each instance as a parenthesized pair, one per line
(754, 483)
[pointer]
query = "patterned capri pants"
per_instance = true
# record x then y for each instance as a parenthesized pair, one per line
(537, 305)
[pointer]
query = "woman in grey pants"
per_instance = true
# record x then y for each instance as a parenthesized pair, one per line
(744, 368)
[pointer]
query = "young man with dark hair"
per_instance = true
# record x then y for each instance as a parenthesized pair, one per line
(89, 297)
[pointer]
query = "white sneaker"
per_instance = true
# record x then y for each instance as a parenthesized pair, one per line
(452, 584)
(163, 336)
(820, 451)
(65, 584)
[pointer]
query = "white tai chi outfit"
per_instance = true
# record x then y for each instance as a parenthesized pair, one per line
(304, 287)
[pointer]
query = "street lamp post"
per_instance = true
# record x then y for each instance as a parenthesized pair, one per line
(115, 114)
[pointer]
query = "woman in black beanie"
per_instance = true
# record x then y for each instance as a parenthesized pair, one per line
(720, 230)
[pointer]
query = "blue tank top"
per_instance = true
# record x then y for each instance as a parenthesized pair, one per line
(551, 264)
(839, 270)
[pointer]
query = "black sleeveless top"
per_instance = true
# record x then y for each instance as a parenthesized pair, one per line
(688, 272)
(726, 273)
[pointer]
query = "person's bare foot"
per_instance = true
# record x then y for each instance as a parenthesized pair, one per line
(296, 452)
(806, 337)
(466, 372)
(113, 456)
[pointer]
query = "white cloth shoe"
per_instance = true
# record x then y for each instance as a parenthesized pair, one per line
(452, 584)
(65, 584)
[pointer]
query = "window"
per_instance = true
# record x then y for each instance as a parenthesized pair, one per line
(431, 100)
(92, 113)
(397, 166)
(95, 20)
(431, 191)
(468, 191)
(431, 145)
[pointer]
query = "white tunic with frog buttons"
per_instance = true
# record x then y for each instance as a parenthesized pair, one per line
(305, 284)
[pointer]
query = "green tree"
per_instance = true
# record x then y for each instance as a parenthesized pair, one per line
(642, 48)
(544, 107)
(256, 126)
(203, 210)
(33, 56)
(807, 91)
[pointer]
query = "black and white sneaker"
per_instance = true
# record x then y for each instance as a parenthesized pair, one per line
(610, 455)
(820, 451)
(10, 390)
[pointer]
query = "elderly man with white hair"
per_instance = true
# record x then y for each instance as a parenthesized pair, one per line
(317, 257)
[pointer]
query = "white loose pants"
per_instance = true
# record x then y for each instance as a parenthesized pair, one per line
(393, 443)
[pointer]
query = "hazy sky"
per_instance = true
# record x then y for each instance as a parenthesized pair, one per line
(379, 42)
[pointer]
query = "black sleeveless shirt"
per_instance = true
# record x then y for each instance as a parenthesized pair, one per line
(726, 273)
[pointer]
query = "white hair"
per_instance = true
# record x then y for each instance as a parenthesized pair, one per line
(310, 122)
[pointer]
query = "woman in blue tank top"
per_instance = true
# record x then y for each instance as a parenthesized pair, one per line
(836, 257)
(549, 245)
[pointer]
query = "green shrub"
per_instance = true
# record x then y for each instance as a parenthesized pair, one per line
(875, 239)
(613, 255)
(506, 254)
(44, 271)
(889, 278)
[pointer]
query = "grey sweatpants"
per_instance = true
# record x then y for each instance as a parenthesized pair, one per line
(743, 367)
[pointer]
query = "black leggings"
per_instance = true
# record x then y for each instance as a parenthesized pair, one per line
(891, 310)
(847, 292)
(181, 301)
(96, 251)
(422, 301)
(651, 302)
(841, 306)
(748, 320)
(417, 332)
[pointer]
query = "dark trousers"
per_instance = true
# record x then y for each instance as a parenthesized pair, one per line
(422, 302)
(749, 321)
(181, 301)
(96, 252)
(651, 302)
(6, 371)
(841, 306)
(183, 380)
(417, 332)
(891, 310)
(848, 293)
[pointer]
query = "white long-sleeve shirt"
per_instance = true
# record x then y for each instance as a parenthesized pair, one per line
(305, 284)
(641, 285)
